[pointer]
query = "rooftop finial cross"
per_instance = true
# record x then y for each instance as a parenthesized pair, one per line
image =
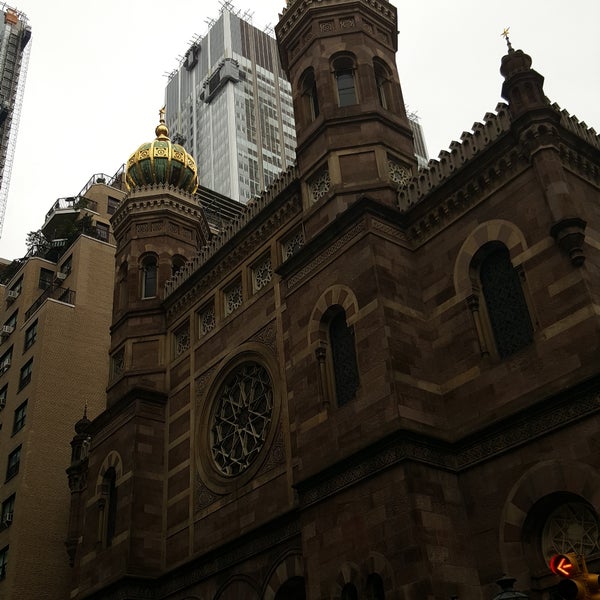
(504, 34)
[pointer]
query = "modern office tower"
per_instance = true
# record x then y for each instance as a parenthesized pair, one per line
(231, 105)
(14, 57)
(419, 139)
(55, 311)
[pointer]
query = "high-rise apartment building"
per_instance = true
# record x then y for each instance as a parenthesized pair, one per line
(230, 103)
(14, 56)
(55, 311)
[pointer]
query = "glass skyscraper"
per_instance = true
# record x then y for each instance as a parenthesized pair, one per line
(231, 106)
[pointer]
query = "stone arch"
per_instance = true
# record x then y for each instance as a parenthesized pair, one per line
(238, 587)
(348, 573)
(112, 460)
(495, 230)
(289, 566)
(340, 295)
(377, 563)
(541, 481)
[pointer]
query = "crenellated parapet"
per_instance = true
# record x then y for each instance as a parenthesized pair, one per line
(232, 228)
(579, 128)
(449, 162)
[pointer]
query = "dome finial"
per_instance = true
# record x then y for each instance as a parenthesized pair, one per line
(504, 34)
(162, 163)
(162, 133)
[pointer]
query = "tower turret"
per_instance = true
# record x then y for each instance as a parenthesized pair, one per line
(158, 227)
(353, 134)
(536, 123)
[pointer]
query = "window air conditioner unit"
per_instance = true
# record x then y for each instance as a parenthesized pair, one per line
(4, 366)
(61, 276)
(7, 519)
(12, 295)
(7, 330)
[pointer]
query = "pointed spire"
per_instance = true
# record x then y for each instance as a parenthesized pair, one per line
(162, 133)
(523, 86)
(83, 423)
(504, 34)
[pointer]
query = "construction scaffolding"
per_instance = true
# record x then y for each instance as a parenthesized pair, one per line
(15, 34)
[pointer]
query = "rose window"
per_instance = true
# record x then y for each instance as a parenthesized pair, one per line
(398, 174)
(572, 527)
(241, 419)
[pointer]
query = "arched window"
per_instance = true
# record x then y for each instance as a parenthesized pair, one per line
(109, 491)
(559, 523)
(349, 592)
(310, 100)
(343, 356)
(343, 70)
(375, 587)
(149, 276)
(505, 302)
(382, 82)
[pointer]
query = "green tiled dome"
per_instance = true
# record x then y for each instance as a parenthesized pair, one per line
(162, 162)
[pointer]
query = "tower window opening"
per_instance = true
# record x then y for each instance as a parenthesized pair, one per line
(109, 492)
(382, 82)
(344, 365)
(309, 95)
(499, 303)
(343, 68)
(149, 277)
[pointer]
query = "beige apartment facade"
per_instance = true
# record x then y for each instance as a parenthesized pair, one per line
(56, 310)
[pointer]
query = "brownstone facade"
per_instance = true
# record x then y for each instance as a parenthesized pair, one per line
(377, 382)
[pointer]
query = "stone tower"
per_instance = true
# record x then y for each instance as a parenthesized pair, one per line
(158, 226)
(353, 134)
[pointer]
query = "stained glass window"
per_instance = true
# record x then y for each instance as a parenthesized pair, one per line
(343, 354)
(241, 419)
(572, 527)
(505, 301)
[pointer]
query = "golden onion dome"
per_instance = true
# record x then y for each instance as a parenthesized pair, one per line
(162, 162)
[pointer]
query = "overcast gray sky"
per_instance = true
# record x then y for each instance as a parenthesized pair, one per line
(96, 78)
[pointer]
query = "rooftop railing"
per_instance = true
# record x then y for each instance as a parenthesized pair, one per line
(54, 292)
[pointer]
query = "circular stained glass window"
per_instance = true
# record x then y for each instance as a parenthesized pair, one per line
(572, 527)
(241, 418)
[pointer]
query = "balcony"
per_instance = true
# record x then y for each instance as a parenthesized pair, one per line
(64, 212)
(54, 292)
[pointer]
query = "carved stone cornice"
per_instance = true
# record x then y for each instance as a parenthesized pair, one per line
(324, 257)
(296, 9)
(364, 215)
(486, 158)
(449, 201)
(203, 276)
(457, 456)
(157, 199)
